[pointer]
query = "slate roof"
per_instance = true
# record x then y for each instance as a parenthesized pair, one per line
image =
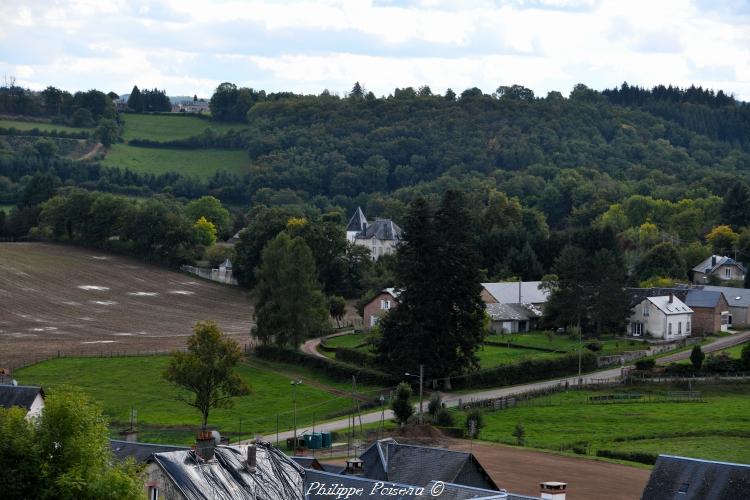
(703, 298)
(637, 295)
(707, 268)
(19, 395)
(669, 308)
(737, 297)
(388, 460)
(307, 462)
(382, 229)
(139, 451)
(277, 477)
(357, 222)
(682, 478)
(507, 292)
(512, 312)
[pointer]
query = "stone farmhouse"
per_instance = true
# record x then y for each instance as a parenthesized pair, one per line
(720, 268)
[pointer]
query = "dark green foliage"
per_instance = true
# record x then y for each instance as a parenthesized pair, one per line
(401, 404)
(135, 100)
(354, 356)
(232, 104)
(645, 365)
(107, 132)
(745, 357)
(696, 357)
(527, 371)
(631, 456)
(519, 432)
(207, 370)
(289, 306)
(443, 418)
(476, 416)
(439, 321)
(722, 363)
(435, 404)
(594, 346)
(337, 308)
(735, 210)
(663, 260)
(210, 208)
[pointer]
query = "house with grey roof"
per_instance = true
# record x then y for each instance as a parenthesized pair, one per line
(515, 292)
(26, 397)
(719, 267)
(738, 300)
(693, 479)
(512, 318)
(662, 317)
(246, 472)
(710, 311)
(388, 460)
(380, 237)
(140, 452)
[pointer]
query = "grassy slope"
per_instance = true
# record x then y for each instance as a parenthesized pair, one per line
(166, 127)
(565, 344)
(568, 417)
(199, 163)
(491, 356)
(23, 125)
(121, 383)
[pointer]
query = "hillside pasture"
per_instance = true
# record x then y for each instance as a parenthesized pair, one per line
(201, 163)
(169, 127)
(55, 298)
(42, 126)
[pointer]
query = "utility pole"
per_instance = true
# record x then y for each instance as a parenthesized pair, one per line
(294, 398)
(421, 386)
(382, 415)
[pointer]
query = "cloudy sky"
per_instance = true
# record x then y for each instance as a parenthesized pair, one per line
(190, 46)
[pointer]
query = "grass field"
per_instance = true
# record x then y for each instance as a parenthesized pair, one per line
(563, 343)
(120, 384)
(198, 163)
(351, 341)
(492, 356)
(736, 351)
(721, 424)
(23, 125)
(166, 127)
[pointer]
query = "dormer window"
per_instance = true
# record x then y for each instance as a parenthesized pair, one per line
(727, 272)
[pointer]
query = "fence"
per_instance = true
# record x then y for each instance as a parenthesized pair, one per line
(32, 360)
(219, 275)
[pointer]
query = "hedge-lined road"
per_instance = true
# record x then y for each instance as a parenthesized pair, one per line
(452, 400)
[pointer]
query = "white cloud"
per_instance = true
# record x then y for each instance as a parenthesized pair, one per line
(189, 46)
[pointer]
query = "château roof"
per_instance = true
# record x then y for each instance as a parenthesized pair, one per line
(358, 221)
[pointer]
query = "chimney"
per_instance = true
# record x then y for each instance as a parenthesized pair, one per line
(354, 467)
(713, 261)
(205, 445)
(251, 462)
(552, 490)
(671, 297)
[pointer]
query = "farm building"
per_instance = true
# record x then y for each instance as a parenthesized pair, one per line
(515, 292)
(694, 479)
(738, 300)
(512, 318)
(663, 317)
(378, 307)
(30, 398)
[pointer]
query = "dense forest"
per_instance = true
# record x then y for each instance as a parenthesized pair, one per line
(661, 166)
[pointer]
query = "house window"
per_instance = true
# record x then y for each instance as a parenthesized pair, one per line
(636, 329)
(153, 493)
(385, 304)
(646, 310)
(679, 328)
(669, 329)
(687, 327)
(727, 272)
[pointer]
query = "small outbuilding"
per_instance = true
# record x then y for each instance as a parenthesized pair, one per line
(28, 397)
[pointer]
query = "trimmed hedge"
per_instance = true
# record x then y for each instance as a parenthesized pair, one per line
(630, 456)
(35, 132)
(359, 358)
(527, 371)
(232, 139)
(332, 368)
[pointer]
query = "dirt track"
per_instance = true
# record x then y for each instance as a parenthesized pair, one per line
(57, 298)
(521, 470)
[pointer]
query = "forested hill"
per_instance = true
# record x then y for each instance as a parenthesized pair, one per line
(566, 156)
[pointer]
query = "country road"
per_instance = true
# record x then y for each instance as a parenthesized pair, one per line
(451, 400)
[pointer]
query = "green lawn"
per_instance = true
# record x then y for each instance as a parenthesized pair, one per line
(563, 343)
(197, 163)
(169, 127)
(24, 125)
(736, 351)
(352, 340)
(121, 383)
(491, 356)
(562, 419)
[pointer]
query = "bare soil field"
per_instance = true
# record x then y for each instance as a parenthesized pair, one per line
(75, 301)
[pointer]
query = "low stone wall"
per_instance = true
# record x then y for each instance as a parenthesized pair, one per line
(218, 275)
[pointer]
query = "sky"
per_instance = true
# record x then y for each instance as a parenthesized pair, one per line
(190, 46)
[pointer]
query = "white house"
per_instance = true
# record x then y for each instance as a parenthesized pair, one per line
(30, 398)
(380, 236)
(664, 317)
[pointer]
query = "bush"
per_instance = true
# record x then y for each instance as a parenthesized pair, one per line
(594, 346)
(631, 456)
(443, 418)
(520, 434)
(401, 404)
(679, 370)
(722, 363)
(474, 415)
(745, 357)
(645, 365)
(355, 357)
(696, 357)
(435, 404)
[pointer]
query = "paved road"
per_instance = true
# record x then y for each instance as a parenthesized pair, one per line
(452, 400)
(311, 346)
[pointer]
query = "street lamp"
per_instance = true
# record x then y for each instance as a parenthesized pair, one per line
(421, 385)
(382, 415)
(294, 384)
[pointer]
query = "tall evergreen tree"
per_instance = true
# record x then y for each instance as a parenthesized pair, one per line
(135, 100)
(357, 91)
(439, 321)
(289, 307)
(735, 210)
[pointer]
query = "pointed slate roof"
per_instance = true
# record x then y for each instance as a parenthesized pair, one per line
(19, 395)
(358, 221)
(694, 479)
(382, 229)
(707, 267)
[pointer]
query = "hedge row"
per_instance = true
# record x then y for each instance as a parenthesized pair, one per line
(35, 132)
(631, 456)
(519, 346)
(233, 139)
(332, 368)
(359, 358)
(527, 371)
